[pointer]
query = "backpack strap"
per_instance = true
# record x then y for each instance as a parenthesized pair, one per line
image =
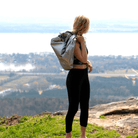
(70, 32)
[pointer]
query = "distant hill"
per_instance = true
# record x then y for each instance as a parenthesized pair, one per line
(48, 62)
(46, 26)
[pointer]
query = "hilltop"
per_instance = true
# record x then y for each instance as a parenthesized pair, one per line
(101, 124)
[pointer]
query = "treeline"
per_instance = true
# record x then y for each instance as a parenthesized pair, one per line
(44, 63)
(112, 63)
(33, 93)
(113, 87)
(33, 106)
(48, 62)
(100, 87)
(103, 90)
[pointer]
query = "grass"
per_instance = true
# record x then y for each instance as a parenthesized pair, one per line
(51, 127)
(102, 117)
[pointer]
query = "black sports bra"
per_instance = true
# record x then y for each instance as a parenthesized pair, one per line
(76, 61)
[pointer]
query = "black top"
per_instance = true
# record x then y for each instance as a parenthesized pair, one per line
(76, 61)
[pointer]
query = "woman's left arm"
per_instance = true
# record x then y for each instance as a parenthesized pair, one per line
(89, 65)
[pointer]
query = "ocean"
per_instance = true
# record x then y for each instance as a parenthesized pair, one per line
(125, 44)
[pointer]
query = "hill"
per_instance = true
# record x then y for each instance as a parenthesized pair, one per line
(49, 26)
(48, 62)
(52, 125)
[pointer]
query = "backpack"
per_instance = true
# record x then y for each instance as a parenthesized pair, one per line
(63, 46)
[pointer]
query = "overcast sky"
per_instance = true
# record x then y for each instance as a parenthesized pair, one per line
(94, 9)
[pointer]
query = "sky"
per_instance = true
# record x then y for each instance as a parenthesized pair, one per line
(94, 9)
(66, 11)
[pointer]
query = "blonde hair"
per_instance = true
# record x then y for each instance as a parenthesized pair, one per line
(81, 25)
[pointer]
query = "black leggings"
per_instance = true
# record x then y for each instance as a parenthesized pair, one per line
(78, 89)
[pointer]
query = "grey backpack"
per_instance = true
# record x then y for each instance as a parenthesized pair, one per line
(63, 45)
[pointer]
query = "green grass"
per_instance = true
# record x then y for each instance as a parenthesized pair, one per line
(51, 127)
(102, 117)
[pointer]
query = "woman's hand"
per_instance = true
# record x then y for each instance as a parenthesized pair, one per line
(89, 65)
(80, 38)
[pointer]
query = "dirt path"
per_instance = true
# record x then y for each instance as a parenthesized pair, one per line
(110, 124)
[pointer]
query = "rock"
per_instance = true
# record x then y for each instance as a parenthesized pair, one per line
(127, 112)
(60, 113)
(45, 113)
(13, 120)
(54, 114)
(129, 123)
(121, 107)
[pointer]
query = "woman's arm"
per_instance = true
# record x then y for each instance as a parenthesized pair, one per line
(81, 55)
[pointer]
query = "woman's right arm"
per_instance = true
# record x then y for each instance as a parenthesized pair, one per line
(81, 55)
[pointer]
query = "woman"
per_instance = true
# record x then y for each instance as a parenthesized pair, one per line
(77, 81)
